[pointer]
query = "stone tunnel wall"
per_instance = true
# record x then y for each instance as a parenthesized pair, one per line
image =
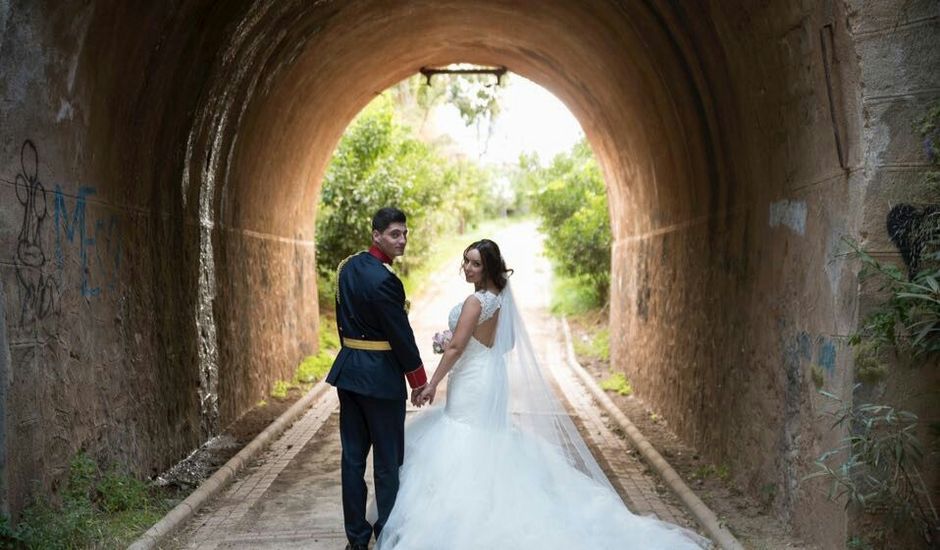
(110, 116)
(159, 172)
(823, 100)
(96, 270)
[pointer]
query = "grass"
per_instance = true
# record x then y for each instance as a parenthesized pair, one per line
(573, 296)
(313, 367)
(280, 389)
(97, 509)
(721, 472)
(618, 383)
(597, 346)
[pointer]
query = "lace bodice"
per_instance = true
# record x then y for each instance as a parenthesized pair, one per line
(490, 302)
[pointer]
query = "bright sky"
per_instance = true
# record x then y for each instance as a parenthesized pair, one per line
(532, 119)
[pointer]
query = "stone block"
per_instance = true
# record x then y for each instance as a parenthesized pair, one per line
(894, 137)
(867, 16)
(900, 62)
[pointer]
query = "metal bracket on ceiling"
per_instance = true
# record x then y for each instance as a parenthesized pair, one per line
(498, 72)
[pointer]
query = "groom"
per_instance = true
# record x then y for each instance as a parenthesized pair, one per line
(378, 354)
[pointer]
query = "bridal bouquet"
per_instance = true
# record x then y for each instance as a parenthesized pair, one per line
(440, 340)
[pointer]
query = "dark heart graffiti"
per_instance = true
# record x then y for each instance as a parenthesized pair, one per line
(39, 287)
(912, 229)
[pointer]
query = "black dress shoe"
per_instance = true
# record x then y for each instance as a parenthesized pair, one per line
(357, 547)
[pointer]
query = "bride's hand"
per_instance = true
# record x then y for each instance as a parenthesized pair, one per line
(427, 395)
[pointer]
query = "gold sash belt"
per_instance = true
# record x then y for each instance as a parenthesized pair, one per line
(369, 345)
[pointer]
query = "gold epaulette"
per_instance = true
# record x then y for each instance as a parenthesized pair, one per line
(339, 269)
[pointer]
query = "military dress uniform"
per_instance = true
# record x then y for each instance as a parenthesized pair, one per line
(378, 354)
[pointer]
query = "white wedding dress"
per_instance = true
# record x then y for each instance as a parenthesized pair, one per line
(478, 475)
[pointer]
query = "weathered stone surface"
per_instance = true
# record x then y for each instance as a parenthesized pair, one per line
(872, 16)
(160, 167)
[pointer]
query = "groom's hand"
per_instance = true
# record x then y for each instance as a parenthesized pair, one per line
(416, 395)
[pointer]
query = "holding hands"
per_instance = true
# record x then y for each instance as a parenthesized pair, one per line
(424, 395)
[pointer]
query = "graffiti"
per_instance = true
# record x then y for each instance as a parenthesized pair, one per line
(826, 355)
(94, 240)
(789, 213)
(798, 352)
(99, 250)
(39, 288)
(912, 229)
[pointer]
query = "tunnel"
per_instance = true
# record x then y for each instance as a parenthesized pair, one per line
(161, 167)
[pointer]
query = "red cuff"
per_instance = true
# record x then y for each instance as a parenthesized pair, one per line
(417, 377)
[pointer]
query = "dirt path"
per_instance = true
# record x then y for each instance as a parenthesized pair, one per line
(290, 497)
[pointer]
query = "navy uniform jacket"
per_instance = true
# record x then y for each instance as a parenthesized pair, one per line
(370, 305)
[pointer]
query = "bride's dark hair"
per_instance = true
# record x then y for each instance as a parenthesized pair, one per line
(493, 264)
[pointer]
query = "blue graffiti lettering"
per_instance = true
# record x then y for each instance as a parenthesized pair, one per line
(826, 355)
(101, 245)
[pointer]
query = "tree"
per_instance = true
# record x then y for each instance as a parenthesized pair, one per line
(571, 199)
(379, 162)
(476, 97)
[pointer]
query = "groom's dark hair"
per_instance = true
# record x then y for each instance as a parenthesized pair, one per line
(385, 217)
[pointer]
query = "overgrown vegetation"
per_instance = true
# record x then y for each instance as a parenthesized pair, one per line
(596, 346)
(706, 471)
(618, 383)
(381, 160)
(570, 198)
(313, 367)
(96, 509)
(385, 158)
(877, 468)
(574, 296)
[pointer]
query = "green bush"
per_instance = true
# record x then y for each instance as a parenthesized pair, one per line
(280, 389)
(618, 383)
(574, 295)
(380, 162)
(119, 492)
(314, 367)
(329, 336)
(570, 197)
(96, 511)
(376, 164)
(877, 466)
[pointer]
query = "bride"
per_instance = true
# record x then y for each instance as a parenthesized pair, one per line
(501, 465)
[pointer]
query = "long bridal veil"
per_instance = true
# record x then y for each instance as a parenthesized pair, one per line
(522, 398)
(502, 465)
(524, 402)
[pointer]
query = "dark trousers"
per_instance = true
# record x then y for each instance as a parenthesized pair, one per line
(364, 423)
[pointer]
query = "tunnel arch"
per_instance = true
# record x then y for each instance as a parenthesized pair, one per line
(738, 141)
(652, 127)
